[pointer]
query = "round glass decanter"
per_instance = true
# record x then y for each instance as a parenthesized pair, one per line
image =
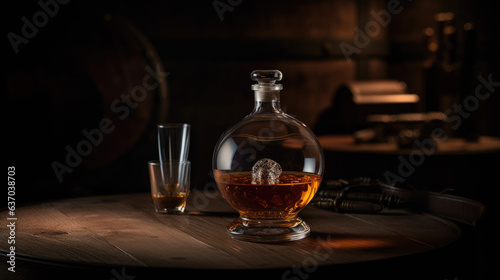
(268, 167)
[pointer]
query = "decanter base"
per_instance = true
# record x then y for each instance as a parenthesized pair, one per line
(268, 231)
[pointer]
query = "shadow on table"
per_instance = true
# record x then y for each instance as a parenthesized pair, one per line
(221, 214)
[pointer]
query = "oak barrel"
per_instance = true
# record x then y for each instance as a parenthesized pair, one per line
(84, 98)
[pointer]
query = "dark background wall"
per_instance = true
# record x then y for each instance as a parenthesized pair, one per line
(82, 58)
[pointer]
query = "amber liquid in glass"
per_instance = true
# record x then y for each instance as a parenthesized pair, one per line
(173, 201)
(267, 201)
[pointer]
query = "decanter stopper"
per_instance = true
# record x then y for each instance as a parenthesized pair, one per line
(266, 89)
(266, 76)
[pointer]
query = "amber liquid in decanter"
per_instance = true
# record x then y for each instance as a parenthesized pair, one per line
(282, 200)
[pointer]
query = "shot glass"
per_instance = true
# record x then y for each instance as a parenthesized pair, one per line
(170, 184)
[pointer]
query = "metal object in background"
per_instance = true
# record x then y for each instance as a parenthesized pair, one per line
(360, 195)
(366, 195)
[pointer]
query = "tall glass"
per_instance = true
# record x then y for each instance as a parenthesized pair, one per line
(170, 176)
(173, 141)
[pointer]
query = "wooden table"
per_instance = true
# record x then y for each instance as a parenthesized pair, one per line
(121, 235)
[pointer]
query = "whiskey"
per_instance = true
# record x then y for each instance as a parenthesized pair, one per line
(170, 203)
(282, 200)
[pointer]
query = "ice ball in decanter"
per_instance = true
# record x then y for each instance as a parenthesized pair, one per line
(266, 171)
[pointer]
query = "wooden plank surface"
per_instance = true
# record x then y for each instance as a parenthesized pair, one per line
(124, 231)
